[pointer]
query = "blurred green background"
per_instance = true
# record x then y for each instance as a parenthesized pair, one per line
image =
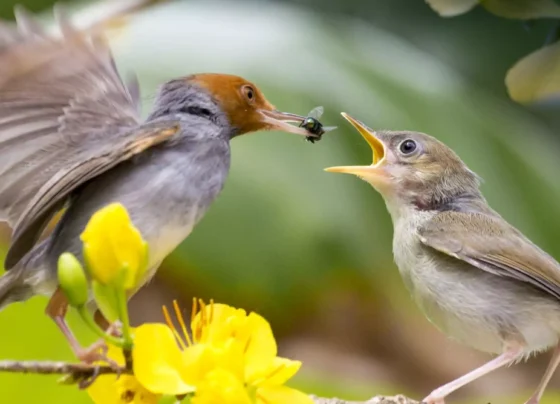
(311, 251)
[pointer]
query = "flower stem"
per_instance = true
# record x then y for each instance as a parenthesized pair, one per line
(125, 321)
(88, 319)
(123, 317)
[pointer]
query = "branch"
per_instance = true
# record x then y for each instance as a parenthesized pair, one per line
(400, 399)
(84, 375)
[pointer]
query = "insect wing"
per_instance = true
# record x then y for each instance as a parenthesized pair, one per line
(316, 113)
(328, 128)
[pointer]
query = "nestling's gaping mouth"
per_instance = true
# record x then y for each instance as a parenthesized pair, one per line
(377, 148)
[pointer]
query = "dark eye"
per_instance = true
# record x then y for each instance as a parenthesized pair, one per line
(408, 146)
(249, 92)
(192, 110)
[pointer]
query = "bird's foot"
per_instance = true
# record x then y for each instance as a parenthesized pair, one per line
(97, 352)
(115, 329)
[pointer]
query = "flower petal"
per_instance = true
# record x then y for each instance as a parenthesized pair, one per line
(261, 347)
(214, 322)
(116, 353)
(110, 389)
(197, 360)
(103, 390)
(157, 360)
(126, 389)
(111, 243)
(280, 372)
(281, 395)
(200, 359)
(221, 386)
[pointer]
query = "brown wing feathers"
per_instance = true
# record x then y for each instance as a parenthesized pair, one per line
(65, 117)
(54, 92)
(498, 249)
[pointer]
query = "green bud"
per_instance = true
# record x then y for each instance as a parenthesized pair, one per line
(72, 280)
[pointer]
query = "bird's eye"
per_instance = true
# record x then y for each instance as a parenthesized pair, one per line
(249, 93)
(408, 146)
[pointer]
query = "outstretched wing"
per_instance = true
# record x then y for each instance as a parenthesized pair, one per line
(52, 195)
(493, 246)
(59, 96)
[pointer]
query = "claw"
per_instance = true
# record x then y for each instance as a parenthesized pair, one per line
(115, 329)
(88, 381)
(97, 352)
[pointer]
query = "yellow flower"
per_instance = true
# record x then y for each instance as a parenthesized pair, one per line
(231, 358)
(220, 386)
(113, 248)
(108, 389)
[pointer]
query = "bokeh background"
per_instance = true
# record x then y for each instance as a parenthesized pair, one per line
(311, 251)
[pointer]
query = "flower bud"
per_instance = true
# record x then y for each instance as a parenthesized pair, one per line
(72, 280)
(111, 245)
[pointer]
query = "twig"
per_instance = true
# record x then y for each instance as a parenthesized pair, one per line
(56, 368)
(76, 373)
(84, 375)
(400, 399)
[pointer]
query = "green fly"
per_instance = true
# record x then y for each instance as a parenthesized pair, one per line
(312, 125)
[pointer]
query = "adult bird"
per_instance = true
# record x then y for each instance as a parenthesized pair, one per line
(71, 137)
(474, 275)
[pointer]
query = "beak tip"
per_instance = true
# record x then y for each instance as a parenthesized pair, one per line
(339, 169)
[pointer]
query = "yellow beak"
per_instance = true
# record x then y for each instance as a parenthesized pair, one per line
(371, 173)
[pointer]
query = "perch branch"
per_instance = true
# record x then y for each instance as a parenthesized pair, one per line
(84, 375)
(76, 373)
(57, 368)
(400, 399)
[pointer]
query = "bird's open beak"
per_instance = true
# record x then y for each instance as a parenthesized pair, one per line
(373, 173)
(277, 120)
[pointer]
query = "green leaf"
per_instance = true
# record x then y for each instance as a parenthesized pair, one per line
(451, 8)
(536, 77)
(519, 9)
(523, 9)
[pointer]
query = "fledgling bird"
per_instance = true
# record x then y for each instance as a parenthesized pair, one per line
(475, 276)
(71, 136)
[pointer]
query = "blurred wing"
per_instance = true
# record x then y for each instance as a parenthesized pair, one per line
(52, 195)
(57, 95)
(494, 246)
(329, 128)
(316, 113)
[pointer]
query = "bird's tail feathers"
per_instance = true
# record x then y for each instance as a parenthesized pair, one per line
(13, 289)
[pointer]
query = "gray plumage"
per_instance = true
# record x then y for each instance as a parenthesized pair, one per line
(464, 264)
(476, 277)
(71, 135)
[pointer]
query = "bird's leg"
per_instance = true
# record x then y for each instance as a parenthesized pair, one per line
(110, 328)
(552, 365)
(100, 320)
(511, 352)
(56, 309)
